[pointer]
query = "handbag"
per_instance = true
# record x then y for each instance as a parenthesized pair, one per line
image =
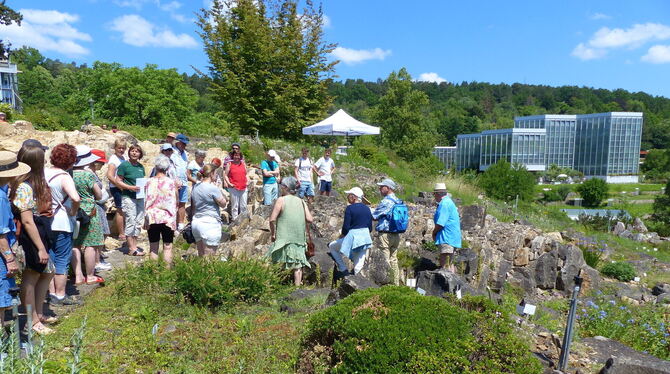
(310, 250)
(187, 234)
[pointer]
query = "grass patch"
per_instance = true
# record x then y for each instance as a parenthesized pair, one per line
(147, 328)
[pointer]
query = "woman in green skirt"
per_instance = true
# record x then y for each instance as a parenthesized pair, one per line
(287, 228)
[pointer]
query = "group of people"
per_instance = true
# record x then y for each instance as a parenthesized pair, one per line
(58, 213)
(291, 217)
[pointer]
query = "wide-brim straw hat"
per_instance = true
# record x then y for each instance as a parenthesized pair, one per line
(10, 166)
(85, 156)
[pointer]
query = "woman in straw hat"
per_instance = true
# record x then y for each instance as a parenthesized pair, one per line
(32, 200)
(10, 168)
(90, 235)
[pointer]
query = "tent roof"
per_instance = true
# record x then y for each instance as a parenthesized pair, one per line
(340, 123)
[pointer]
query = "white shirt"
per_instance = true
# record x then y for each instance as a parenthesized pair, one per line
(304, 169)
(61, 220)
(326, 167)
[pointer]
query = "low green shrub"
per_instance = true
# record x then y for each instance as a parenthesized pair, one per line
(214, 283)
(641, 326)
(396, 330)
(622, 271)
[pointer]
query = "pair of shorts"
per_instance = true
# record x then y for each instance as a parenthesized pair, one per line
(183, 194)
(306, 189)
(133, 212)
(207, 229)
(445, 249)
(5, 285)
(61, 251)
(116, 195)
(30, 251)
(325, 186)
(158, 230)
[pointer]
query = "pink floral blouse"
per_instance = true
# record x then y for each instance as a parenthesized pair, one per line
(160, 203)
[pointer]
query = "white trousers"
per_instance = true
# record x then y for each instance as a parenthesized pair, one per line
(238, 202)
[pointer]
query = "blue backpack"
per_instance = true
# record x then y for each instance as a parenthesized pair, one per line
(399, 217)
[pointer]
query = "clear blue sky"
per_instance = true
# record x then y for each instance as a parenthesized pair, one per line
(602, 44)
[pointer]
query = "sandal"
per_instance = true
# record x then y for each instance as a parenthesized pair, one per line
(49, 320)
(96, 280)
(80, 283)
(40, 329)
(136, 252)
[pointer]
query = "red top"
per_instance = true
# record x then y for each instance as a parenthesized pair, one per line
(238, 176)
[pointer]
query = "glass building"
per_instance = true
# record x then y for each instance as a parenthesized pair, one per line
(523, 146)
(607, 145)
(447, 155)
(9, 84)
(600, 145)
(467, 151)
(560, 139)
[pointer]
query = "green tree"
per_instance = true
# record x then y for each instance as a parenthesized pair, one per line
(37, 87)
(27, 58)
(269, 69)
(593, 191)
(657, 164)
(401, 113)
(662, 207)
(145, 97)
(504, 181)
(7, 17)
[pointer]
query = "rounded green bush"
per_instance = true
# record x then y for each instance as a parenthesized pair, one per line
(396, 330)
(622, 271)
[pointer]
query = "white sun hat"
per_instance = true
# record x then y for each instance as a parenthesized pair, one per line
(85, 156)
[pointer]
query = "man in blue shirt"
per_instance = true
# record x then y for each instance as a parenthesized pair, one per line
(180, 160)
(447, 231)
(388, 242)
(270, 169)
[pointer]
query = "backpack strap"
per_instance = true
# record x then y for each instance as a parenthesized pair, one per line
(60, 203)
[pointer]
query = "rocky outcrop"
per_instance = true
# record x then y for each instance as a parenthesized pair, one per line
(441, 282)
(618, 358)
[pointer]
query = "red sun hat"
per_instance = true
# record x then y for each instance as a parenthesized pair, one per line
(100, 153)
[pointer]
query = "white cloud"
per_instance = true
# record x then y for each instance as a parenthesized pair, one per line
(47, 30)
(326, 21)
(354, 56)
(139, 32)
(431, 77)
(632, 37)
(583, 52)
(606, 39)
(599, 16)
(658, 54)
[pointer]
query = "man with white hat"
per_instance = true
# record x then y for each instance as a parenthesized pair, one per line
(270, 169)
(167, 150)
(355, 238)
(388, 237)
(447, 231)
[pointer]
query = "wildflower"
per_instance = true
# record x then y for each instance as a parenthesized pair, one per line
(623, 307)
(631, 321)
(618, 323)
(603, 314)
(612, 302)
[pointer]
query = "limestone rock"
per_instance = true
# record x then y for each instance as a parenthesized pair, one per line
(555, 236)
(24, 125)
(618, 228)
(660, 288)
(376, 268)
(545, 270)
(618, 358)
(639, 226)
(521, 256)
(572, 261)
(473, 217)
(349, 285)
(440, 282)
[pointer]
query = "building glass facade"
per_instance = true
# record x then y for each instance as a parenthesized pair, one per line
(467, 151)
(560, 138)
(601, 145)
(523, 146)
(447, 155)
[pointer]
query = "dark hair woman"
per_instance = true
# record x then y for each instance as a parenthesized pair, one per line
(32, 200)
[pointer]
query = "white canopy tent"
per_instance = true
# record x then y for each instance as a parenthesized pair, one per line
(341, 124)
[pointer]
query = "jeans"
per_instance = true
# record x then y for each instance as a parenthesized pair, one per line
(306, 189)
(270, 193)
(61, 251)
